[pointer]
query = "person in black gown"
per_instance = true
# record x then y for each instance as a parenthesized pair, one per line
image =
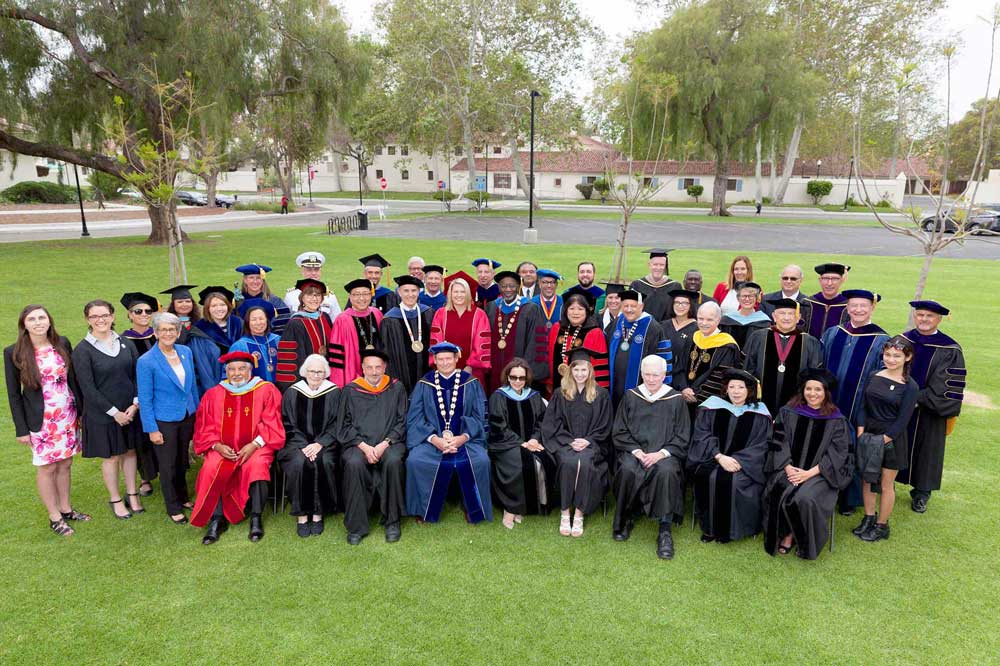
(140, 309)
(651, 436)
(726, 459)
(105, 370)
(711, 352)
(373, 440)
(576, 430)
(679, 327)
(406, 334)
(309, 410)
(523, 472)
(306, 334)
(889, 400)
(747, 318)
(808, 464)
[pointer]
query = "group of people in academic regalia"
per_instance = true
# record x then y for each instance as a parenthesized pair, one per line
(777, 408)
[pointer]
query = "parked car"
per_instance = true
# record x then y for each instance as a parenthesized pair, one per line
(191, 198)
(980, 220)
(130, 193)
(225, 201)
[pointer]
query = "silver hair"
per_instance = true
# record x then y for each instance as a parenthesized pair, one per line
(312, 359)
(167, 318)
(412, 259)
(713, 308)
(653, 362)
(794, 267)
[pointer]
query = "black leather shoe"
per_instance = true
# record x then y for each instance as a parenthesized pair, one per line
(707, 538)
(316, 527)
(665, 544)
(919, 504)
(876, 532)
(303, 529)
(256, 528)
(865, 524)
(845, 510)
(392, 532)
(354, 539)
(625, 532)
(213, 531)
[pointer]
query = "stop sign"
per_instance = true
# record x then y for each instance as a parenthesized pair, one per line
(440, 184)
(383, 183)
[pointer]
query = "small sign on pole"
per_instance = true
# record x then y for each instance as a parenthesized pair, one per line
(383, 183)
(441, 184)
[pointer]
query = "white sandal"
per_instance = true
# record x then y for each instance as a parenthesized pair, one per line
(577, 530)
(564, 528)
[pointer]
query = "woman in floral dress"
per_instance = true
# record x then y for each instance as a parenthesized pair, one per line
(43, 395)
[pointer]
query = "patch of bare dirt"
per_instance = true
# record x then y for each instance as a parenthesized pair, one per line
(978, 400)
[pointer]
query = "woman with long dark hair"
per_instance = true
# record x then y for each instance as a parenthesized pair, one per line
(44, 402)
(889, 400)
(577, 328)
(105, 366)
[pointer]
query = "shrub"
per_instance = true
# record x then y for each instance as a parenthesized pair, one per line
(586, 189)
(851, 201)
(263, 206)
(446, 196)
(38, 191)
(884, 203)
(109, 186)
(818, 189)
(602, 187)
(478, 198)
(695, 191)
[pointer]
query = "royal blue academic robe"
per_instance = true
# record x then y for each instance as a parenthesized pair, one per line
(435, 303)
(647, 339)
(428, 471)
(264, 349)
(823, 313)
(488, 295)
(224, 339)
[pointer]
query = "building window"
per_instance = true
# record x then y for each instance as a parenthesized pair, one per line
(378, 150)
(501, 181)
(378, 173)
(430, 175)
(391, 150)
(733, 185)
(330, 167)
(498, 150)
(558, 182)
(404, 150)
(589, 180)
(688, 182)
(404, 174)
(458, 151)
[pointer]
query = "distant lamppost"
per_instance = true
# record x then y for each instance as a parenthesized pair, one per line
(531, 164)
(79, 195)
(361, 199)
(818, 163)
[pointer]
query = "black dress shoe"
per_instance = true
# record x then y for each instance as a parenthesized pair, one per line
(213, 531)
(665, 544)
(865, 524)
(256, 528)
(845, 510)
(707, 538)
(876, 532)
(316, 527)
(145, 493)
(303, 529)
(392, 532)
(625, 532)
(354, 539)
(919, 504)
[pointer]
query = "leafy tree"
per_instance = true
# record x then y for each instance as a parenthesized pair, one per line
(818, 189)
(586, 189)
(107, 185)
(965, 140)
(695, 191)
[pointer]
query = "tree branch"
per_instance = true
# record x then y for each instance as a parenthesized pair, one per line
(84, 158)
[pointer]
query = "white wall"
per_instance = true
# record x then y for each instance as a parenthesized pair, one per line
(989, 191)
(18, 168)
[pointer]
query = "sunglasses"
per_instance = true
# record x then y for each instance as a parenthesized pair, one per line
(517, 378)
(790, 279)
(142, 311)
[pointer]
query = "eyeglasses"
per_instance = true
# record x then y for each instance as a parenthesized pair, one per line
(517, 378)
(316, 372)
(747, 297)
(832, 278)
(141, 311)
(790, 279)
(99, 317)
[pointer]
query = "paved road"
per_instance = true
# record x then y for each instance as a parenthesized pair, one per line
(687, 234)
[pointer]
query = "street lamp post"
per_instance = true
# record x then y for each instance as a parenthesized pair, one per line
(818, 163)
(79, 195)
(531, 236)
(361, 199)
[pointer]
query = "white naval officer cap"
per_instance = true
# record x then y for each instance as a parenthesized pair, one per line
(310, 260)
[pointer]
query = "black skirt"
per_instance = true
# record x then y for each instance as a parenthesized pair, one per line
(103, 440)
(897, 452)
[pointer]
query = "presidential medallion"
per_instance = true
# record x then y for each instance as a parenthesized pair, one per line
(502, 344)
(417, 346)
(625, 346)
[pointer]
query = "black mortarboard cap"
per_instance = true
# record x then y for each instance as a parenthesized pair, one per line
(374, 260)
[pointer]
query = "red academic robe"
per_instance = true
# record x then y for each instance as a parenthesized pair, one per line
(475, 342)
(234, 419)
(344, 340)
(595, 341)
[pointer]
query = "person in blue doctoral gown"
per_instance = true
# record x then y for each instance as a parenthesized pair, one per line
(258, 340)
(254, 285)
(852, 351)
(432, 295)
(547, 299)
(446, 437)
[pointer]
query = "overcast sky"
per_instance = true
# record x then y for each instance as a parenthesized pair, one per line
(960, 19)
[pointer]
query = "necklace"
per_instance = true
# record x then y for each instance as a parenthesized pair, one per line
(416, 344)
(448, 414)
(366, 334)
(548, 311)
(627, 336)
(504, 332)
(569, 343)
(261, 342)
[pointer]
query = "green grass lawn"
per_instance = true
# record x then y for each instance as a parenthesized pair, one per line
(145, 591)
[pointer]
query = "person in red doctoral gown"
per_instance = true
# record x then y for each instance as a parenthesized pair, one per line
(238, 429)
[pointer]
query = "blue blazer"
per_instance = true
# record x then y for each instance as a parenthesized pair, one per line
(161, 396)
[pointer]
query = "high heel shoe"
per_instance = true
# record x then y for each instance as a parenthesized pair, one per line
(564, 528)
(577, 530)
(129, 504)
(112, 505)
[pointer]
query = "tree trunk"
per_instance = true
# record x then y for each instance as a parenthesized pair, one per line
(720, 182)
(285, 181)
(470, 155)
(759, 197)
(159, 234)
(211, 179)
(618, 261)
(790, 155)
(522, 179)
(772, 174)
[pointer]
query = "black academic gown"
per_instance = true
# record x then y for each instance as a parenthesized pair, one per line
(728, 503)
(406, 365)
(302, 337)
(385, 299)
(939, 369)
(680, 344)
(523, 481)
(763, 362)
(663, 424)
(804, 442)
(704, 367)
(145, 455)
(741, 331)
(370, 415)
(529, 340)
(311, 486)
(582, 477)
(656, 300)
